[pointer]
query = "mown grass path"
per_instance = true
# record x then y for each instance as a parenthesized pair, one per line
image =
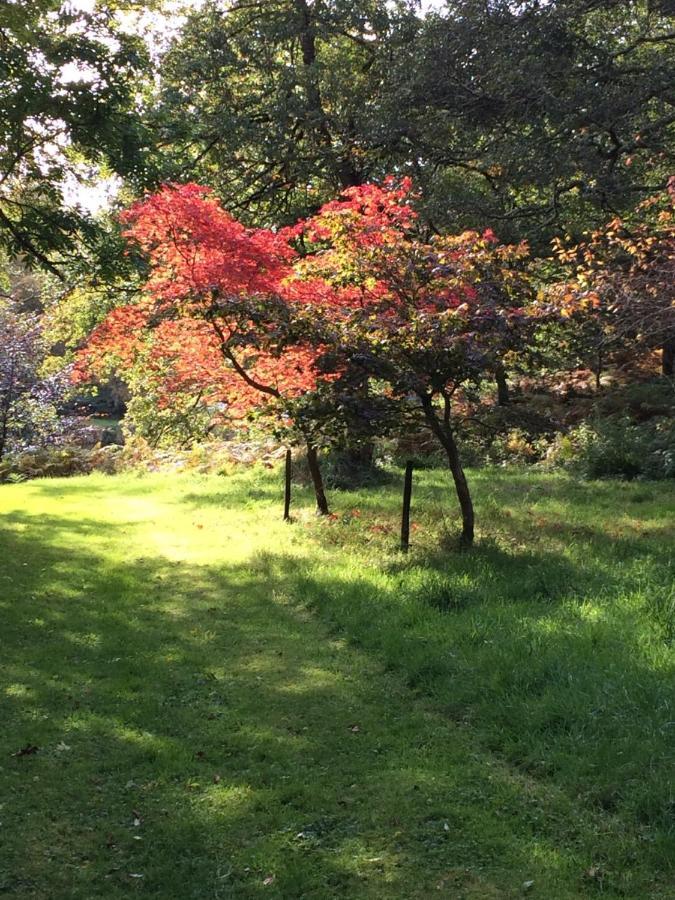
(201, 734)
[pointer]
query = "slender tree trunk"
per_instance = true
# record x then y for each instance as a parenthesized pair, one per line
(502, 386)
(317, 480)
(668, 357)
(405, 516)
(3, 436)
(287, 486)
(462, 488)
(342, 163)
(598, 370)
(443, 432)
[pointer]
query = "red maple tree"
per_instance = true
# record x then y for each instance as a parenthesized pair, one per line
(254, 318)
(421, 316)
(215, 321)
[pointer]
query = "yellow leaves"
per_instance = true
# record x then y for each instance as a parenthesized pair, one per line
(575, 298)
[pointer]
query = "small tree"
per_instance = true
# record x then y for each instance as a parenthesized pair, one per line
(422, 317)
(621, 292)
(214, 326)
(29, 399)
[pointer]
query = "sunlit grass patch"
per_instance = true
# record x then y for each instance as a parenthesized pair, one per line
(199, 700)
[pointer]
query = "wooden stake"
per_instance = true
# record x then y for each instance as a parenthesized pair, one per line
(287, 486)
(405, 517)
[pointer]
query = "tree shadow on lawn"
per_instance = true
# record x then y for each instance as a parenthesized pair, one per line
(196, 709)
(556, 665)
(497, 490)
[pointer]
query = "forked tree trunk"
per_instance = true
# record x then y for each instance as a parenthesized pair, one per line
(443, 432)
(317, 480)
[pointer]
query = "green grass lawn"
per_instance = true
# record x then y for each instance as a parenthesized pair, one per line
(226, 706)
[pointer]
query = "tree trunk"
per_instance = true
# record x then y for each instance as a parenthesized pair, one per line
(443, 431)
(502, 386)
(3, 430)
(317, 120)
(668, 357)
(598, 370)
(317, 480)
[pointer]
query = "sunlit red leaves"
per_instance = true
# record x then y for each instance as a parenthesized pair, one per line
(183, 357)
(195, 247)
(397, 295)
(238, 316)
(205, 267)
(114, 344)
(370, 214)
(364, 222)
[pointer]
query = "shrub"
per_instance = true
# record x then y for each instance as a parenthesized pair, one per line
(516, 446)
(30, 395)
(58, 462)
(617, 447)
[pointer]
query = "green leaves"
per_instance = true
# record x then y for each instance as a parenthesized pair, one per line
(69, 81)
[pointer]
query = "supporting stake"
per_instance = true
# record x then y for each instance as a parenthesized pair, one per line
(405, 516)
(287, 486)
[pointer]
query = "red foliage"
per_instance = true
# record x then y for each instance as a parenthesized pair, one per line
(195, 247)
(433, 310)
(114, 344)
(202, 328)
(238, 316)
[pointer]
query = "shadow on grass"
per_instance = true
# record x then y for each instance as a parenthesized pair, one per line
(183, 707)
(197, 730)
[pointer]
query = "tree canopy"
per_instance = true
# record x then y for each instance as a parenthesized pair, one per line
(532, 118)
(68, 87)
